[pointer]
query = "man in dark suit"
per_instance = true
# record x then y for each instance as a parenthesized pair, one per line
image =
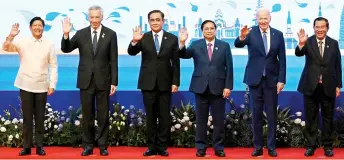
(265, 75)
(97, 75)
(212, 81)
(159, 77)
(320, 83)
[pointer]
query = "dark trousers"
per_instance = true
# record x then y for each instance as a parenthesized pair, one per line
(157, 106)
(89, 98)
(259, 96)
(311, 104)
(217, 103)
(33, 104)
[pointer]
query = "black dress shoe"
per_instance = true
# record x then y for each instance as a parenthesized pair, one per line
(104, 152)
(309, 152)
(40, 151)
(328, 152)
(163, 153)
(257, 152)
(25, 151)
(200, 153)
(149, 153)
(272, 152)
(220, 153)
(87, 152)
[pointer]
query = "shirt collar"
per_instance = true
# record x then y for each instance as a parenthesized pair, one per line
(37, 40)
(160, 33)
(99, 29)
(212, 42)
(318, 40)
(267, 30)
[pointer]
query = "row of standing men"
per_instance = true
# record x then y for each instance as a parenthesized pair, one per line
(159, 78)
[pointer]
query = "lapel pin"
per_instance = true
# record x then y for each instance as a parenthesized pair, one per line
(328, 46)
(165, 37)
(103, 35)
(216, 48)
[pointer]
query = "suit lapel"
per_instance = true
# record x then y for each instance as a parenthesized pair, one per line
(164, 39)
(272, 40)
(204, 48)
(327, 47)
(216, 47)
(150, 41)
(315, 47)
(101, 39)
(88, 38)
(260, 41)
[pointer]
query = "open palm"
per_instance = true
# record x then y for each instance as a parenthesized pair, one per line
(137, 33)
(67, 26)
(15, 30)
(302, 36)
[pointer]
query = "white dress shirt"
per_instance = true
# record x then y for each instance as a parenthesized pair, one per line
(160, 34)
(267, 36)
(37, 60)
(99, 29)
(323, 45)
(212, 44)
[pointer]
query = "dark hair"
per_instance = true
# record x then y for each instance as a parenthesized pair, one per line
(322, 19)
(156, 11)
(207, 21)
(36, 19)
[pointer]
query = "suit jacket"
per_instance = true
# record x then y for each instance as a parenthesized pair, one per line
(103, 64)
(161, 69)
(216, 73)
(274, 61)
(329, 66)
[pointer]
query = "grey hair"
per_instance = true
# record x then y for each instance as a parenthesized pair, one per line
(259, 10)
(96, 7)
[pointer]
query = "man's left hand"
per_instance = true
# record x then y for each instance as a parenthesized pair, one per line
(112, 90)
(337, 92)
(50, 91)
(280, 87)
(174, 88)
(226, 93)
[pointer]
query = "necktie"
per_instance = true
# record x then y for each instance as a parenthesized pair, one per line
(321, 54)
(210, 51)
(265, 40)
(321, 48)
(156, 42)
(94, 42)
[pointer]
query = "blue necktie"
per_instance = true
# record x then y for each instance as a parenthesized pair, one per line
(265, 40)
(156, 42)
(94, 43)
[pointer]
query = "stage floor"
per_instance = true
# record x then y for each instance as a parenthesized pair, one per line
(175, 153)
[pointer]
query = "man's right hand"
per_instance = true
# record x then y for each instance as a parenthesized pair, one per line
(67, 26)
(302, 37)
(244, 32)
(183, 35)
(15, 30)
(137, 34)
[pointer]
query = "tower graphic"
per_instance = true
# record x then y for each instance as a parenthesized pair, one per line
(259, 5)
(289, 39)
(341, 30)
(320, 12)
